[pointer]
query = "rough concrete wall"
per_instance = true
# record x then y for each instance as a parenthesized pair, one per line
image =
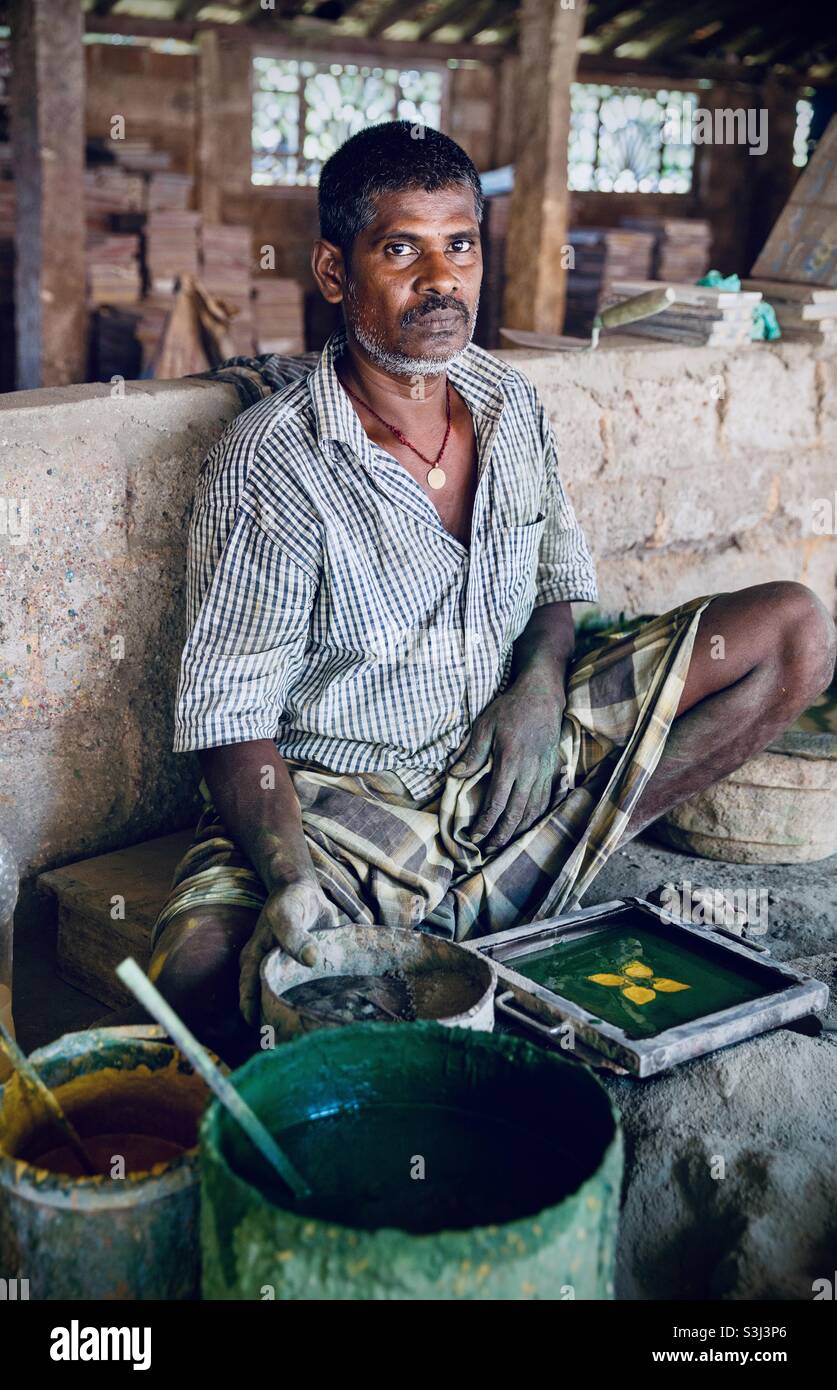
(694, 470)
(691, 471)
(106, 485)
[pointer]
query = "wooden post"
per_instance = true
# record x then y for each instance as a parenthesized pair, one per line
(47, 135)
(224, 120)
(538, 220)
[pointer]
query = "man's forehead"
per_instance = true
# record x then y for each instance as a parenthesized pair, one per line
(416, 208)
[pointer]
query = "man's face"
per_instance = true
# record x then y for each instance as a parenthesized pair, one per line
(411, 287)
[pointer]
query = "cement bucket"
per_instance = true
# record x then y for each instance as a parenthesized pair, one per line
(447, 984)
(132, 1237)
(444, 1164)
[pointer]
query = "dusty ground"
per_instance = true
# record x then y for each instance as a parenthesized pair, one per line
(731, 1183)
(763, 1113)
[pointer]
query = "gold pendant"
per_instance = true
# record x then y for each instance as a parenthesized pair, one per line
(436, 478)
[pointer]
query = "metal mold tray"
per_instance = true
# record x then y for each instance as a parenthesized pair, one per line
(787, 995)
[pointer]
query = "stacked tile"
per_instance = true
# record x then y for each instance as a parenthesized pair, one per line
(169, 191)
(602, 255)
(681, 246)
(109, 191)
(140, 155)
(113, 269)
(698, 317)
(225, 272)
(171, 247)
(806, 313)
(280, 323)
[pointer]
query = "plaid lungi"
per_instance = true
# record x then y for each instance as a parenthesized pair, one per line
(382, 857)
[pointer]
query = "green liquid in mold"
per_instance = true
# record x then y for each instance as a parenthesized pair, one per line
(627, 955)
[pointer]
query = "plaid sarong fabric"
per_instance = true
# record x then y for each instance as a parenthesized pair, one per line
(381, 856)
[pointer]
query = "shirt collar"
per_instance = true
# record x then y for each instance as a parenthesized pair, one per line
(476, 374)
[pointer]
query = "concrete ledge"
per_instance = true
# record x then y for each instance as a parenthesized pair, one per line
(692, 470)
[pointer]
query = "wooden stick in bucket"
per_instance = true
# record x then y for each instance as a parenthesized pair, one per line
(21, 1063)
(151, 999)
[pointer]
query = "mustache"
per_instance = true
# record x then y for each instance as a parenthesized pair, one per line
(435, 304)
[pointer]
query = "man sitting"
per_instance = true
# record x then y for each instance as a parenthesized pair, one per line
(379, 675)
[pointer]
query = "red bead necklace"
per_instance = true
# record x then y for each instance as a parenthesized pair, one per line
(437, 476)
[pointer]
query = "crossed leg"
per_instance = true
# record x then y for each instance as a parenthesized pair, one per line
(761, 656)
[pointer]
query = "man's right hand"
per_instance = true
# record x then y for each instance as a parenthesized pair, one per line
(291, 913)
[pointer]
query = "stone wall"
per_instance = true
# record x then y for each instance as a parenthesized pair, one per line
(691, 471)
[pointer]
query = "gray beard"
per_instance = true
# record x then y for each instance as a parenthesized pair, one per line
(399, 363)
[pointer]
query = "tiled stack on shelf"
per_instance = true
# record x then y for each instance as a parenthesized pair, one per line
(171, 247)
(113, 269)
(7, 285)
(140, 155)
(602, 255)
(109, 191)
(681, 246)
(279, 315)
(699, 316)
(226, 253)
(169, 191)
(806, 313)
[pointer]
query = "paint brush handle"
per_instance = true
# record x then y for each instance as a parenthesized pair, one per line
(21, 1063)
(152, 1000)
(642, 306)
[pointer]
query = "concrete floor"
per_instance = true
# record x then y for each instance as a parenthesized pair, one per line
(802, 917)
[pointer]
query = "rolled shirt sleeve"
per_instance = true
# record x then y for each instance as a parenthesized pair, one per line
(565, 565)
(249, 605)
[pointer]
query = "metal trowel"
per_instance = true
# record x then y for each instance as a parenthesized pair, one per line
(642, 306)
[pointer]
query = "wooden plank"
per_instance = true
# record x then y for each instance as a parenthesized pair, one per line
(47, 124)
(536, 283)
(91, 942)
(803, 244)
(786, 289)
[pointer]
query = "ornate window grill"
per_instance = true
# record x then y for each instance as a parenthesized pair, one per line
(630, 140)
(304, 110)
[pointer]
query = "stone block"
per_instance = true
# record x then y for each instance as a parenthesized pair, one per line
(771, 400)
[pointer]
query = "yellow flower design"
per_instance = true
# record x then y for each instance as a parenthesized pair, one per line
(627, 981)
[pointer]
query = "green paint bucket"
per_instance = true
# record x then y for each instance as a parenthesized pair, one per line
(104, 1236)
(444, 1164)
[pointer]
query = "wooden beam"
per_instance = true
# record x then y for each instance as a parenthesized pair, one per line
(47, 129)
(294, 40)
(392, 13)
(641, 27)
(448, 14)
(188, 10)
(675, 34)
(535, 295)
(491, 17)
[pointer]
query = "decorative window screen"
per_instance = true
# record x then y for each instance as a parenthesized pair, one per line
(630, 140)
(802, 133)
(303, 110)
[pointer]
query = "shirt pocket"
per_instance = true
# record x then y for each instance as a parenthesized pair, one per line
(513, 567)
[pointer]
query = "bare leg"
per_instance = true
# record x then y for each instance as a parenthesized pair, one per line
(196, 968)
(776, 656)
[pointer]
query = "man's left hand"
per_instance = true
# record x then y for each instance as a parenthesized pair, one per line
(521, 728)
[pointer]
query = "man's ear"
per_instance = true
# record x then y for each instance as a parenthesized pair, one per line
(329, 271)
